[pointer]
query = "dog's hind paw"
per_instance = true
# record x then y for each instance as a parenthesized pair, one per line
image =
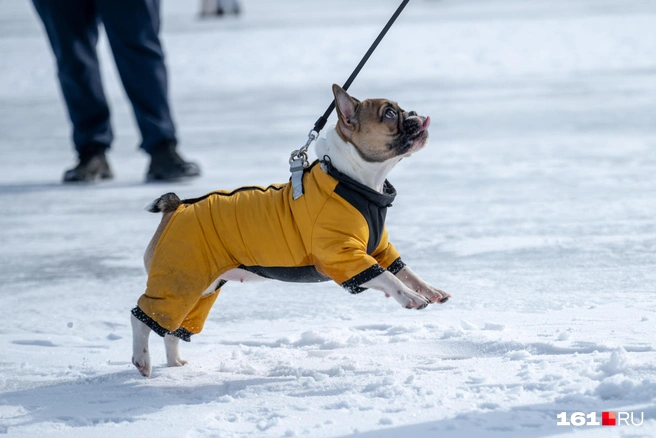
(172, 345)
(176, 362)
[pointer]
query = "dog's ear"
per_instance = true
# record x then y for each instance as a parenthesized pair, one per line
(346, 107)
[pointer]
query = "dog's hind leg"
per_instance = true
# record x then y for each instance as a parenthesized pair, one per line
(172, 346)
(166, 204)
(140, 353)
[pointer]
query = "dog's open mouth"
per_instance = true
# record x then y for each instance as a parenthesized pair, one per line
(422, 135)
(418, 135)
(413, 137)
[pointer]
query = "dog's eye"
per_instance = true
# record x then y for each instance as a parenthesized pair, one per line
(390, 113)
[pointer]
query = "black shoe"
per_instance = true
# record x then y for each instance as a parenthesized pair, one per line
(167, 166)
(92, 166)
(219, 8)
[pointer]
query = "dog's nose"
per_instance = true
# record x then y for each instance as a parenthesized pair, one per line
(411, 113)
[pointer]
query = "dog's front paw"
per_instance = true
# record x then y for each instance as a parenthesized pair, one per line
(435, 295)
(411, 300)
(142, 362)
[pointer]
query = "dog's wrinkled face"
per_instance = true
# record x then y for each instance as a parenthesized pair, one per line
(378, 128)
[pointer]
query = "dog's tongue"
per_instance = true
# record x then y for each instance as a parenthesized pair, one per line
(426, 124)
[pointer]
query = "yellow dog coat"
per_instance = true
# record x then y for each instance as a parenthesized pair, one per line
(336, 231)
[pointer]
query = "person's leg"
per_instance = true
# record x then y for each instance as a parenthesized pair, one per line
(72, 29)
(132, 28)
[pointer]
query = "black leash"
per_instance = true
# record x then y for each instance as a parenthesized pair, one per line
(299, 159)
(321, 122)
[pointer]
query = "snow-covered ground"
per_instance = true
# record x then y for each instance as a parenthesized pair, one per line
(533, 205)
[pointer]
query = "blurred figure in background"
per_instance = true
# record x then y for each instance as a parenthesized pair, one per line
(132, 28)
(209, 8)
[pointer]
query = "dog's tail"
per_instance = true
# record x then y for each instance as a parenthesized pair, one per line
(165, 204)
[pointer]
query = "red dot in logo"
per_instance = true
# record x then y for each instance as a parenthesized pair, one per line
(608, 419)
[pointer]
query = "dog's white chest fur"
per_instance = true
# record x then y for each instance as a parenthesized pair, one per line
(345, 158)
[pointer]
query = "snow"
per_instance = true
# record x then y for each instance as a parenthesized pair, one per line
(533, 205)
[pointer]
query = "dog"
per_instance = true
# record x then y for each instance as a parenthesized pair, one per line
(335, 231)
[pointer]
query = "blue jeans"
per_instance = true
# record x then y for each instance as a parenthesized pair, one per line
(132, 28)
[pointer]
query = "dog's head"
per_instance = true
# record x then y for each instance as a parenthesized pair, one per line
(378, 128)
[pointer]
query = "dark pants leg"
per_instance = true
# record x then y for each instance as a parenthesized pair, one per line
(132, 28)
(72, 28)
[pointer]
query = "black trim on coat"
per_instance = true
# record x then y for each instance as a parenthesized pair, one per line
(234, 192)
(396, 266)
(150, 322)
(276, 187)
(354, 284)
(292, 274)
(182, 333)
(383, 199)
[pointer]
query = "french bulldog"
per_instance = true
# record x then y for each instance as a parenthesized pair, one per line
(335, 231)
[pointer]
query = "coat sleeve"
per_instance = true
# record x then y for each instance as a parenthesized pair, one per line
(387, 256)
(339, 246)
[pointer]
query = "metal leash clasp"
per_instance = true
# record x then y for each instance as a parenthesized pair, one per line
(298, 162)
